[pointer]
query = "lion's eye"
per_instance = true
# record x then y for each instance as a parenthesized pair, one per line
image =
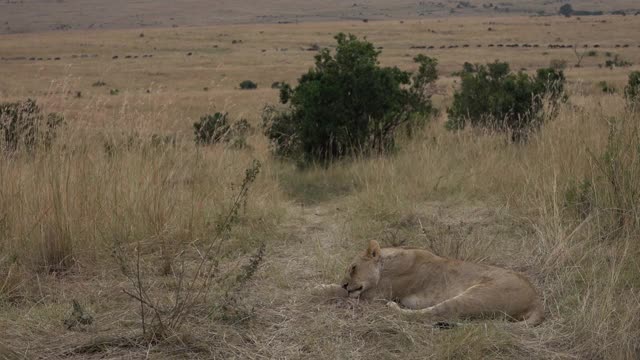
(353, 269)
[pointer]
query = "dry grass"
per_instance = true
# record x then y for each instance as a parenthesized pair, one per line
(470, 195)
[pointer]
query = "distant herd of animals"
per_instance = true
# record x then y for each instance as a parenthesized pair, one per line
(423, 47)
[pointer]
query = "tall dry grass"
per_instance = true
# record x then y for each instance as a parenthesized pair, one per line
(470, 195)
(570, 196)
(100, 185)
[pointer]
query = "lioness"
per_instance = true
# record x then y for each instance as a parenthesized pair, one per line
(437, 288)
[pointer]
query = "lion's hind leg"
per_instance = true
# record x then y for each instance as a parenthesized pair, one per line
(464, 304)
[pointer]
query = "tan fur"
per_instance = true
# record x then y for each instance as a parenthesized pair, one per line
(437, 288)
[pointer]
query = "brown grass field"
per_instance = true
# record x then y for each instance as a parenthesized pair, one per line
(105, 209)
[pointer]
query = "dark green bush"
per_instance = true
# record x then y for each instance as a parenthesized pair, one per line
(348, 104)
(491, 96)
(24, 124)
(248, 85)
(632, 90)
(566, 10)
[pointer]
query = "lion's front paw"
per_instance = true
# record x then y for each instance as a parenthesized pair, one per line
(318, 290)
(332, 291)
(394, 305)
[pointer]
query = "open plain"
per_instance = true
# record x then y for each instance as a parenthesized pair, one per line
(124, 197)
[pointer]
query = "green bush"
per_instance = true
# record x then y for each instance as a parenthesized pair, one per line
(632, 90)
(617, 62)
(248, 85)
(216, 128)
(211, 128)
(23, 123)
(579, 198)
(606, 88)
(491, 96)
(558, 64)
(236, 137)
(348, 104)
(566, 10)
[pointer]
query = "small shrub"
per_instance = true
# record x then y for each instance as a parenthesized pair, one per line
(566, 10)
(160, 141)
(579, 198)
(558, 64)
(592, 53)
(632, 90)
(211, 128)
(277, 84)
(616, 181)
(248, 85)
(236, 137)
(617, 62)
(216, 128)
(24, 123)
(606, 88)
(114, 92)
(99, 83)
(348, 104)
(162, 315)
(493, 97)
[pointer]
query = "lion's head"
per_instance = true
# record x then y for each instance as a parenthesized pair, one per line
(364, 271)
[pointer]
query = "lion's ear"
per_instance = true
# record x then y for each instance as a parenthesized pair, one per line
(374, 249)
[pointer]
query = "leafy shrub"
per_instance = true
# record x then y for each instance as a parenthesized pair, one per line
(24, 123)
(592, 53)
(566, 10)
(632, 90)
(606, 88)
(216, 128)
(617, 62)
(248, 85)
(348, 104)
(236, 137)
(114, 92)
(163, 315)
(493, 97)
(277, 84)
(579, 198)
(211, 128)
(616, 181)
(558, 64)
(99, 83)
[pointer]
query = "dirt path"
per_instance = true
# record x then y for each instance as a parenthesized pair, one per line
(290, 323)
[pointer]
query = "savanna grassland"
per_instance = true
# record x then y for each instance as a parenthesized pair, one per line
(218, 246)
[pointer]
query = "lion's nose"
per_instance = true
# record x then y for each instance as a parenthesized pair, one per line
(344, 286)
